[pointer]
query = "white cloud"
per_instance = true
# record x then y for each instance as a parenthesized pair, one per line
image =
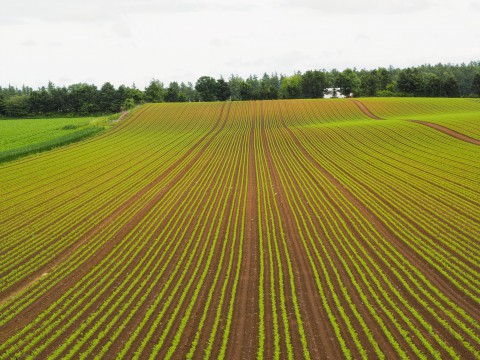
(475, 6)
(29, 42)
(360, 7)
(122, 30)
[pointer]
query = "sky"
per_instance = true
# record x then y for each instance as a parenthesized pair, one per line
(126, 41)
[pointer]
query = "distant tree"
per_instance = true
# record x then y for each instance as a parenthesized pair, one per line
(223, 90)
(269, 87)
(137, 95)
(41, 102)
(154, 92)
(2, 104)
(207, 88)
(411, 82)
(246, 91)
(84, 99)
(188, 93)
(255, 86)
(60, 100)
(182, 97)
(291, 87)
(234, 84)
(314, 83)
(384, 77)
(128, 104)
(434, 86)
(108, 99)
(173, 92)
(17, 106)
(450, 85)
(368, 83)
(476, 84)
(348, 82)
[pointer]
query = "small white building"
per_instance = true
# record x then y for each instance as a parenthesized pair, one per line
(333, 93)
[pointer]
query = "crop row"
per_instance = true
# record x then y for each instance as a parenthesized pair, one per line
(280, 229)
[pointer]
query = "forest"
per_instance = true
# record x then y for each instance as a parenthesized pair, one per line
(441, 80)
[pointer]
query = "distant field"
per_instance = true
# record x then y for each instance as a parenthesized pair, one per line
(461, 115)
(241, 230)
(20, 137)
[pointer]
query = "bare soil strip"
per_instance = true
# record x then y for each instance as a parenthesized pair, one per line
(244, 334)
(365, 110)
(450, 132)
(440, 128)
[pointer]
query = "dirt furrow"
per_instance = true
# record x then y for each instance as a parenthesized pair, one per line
(449, 131)
(243, 342)
(365, 110)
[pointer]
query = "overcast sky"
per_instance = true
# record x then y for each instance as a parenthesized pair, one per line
(126, 41)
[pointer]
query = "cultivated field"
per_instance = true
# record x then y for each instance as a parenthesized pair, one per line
(21, 137)
(267, 229)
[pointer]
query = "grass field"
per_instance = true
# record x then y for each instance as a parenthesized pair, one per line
(263, 229)
(21, 137)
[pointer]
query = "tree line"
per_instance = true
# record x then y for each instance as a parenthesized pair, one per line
(441, 80)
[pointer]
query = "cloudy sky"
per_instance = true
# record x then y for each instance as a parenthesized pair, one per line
(126, 41)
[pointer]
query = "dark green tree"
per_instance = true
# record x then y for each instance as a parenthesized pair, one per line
(348, 82)
(476, 84)
(60, 100)
(450, 85)
(434, 86)
(368, 83)
(17, 106)
(314, 83)
(411, 82)
(154, 92)
(84, 99)
(223, 91)
(207, 88)
(384, 77)
(108, 99)
(173, 92)
(246, 91)
(2, 104)
(41, 102)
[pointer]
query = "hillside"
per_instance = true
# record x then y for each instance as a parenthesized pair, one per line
(256, 229)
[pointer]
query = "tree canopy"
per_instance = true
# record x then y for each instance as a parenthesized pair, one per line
(441, 80)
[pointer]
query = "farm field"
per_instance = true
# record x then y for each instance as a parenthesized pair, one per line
(240, 230)
(21, 137)
(457, 114)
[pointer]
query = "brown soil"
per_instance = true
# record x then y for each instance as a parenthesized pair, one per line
(365, 110)
(243, 342)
